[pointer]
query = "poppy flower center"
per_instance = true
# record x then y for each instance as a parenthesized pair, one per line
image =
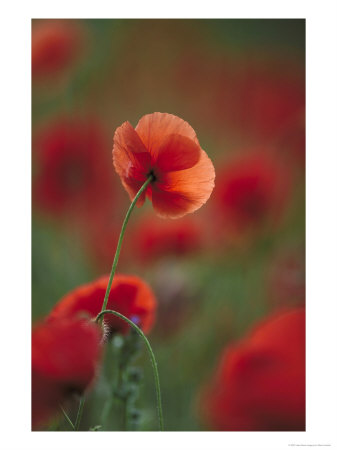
(151, 173)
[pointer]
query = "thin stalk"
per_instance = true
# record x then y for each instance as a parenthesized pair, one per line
(152, 357)
(120, 240)
(79, 413)
(68, 418)
(109, 401)
(122, 408)
(113, 270)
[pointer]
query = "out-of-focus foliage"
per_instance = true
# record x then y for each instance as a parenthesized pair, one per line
(241, 86)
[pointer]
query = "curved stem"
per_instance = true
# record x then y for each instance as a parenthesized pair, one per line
(153, 359)
(79, 413)
(120, 240)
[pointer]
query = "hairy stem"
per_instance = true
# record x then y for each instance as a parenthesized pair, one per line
(152, 357)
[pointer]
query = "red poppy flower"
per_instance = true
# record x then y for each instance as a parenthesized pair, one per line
(72, 175)
(155, 238)
(166, 147)
(65, 359)
(252, 191)
(129, 295)
(55, 45)
(260, 382)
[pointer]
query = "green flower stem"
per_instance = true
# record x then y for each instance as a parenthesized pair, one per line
(153, 359)
(68, 418)
(109, 402)
(79, 413)
(120, 240)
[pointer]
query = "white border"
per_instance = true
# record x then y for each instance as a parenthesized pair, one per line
(321, 224)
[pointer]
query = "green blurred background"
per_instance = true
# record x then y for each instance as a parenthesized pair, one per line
(241, 85)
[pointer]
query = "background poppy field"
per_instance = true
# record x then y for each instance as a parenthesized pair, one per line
(218, 273)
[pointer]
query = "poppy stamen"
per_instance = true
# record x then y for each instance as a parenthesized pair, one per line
(151, 174)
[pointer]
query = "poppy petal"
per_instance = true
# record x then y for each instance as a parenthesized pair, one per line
(132, 187)
(172, 205)
(180, 192)
(129, 151)
(131, 160)
(129, 295)
(66, 355)
(259, 384)
(177, 153)
(153, 129)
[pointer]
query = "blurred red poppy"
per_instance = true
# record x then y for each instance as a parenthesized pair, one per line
(55, 46)
(260, 382)
(65, 359)
(72, 174)
(129, 295)
(155, 238)
(166, 147)
(252, 191)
